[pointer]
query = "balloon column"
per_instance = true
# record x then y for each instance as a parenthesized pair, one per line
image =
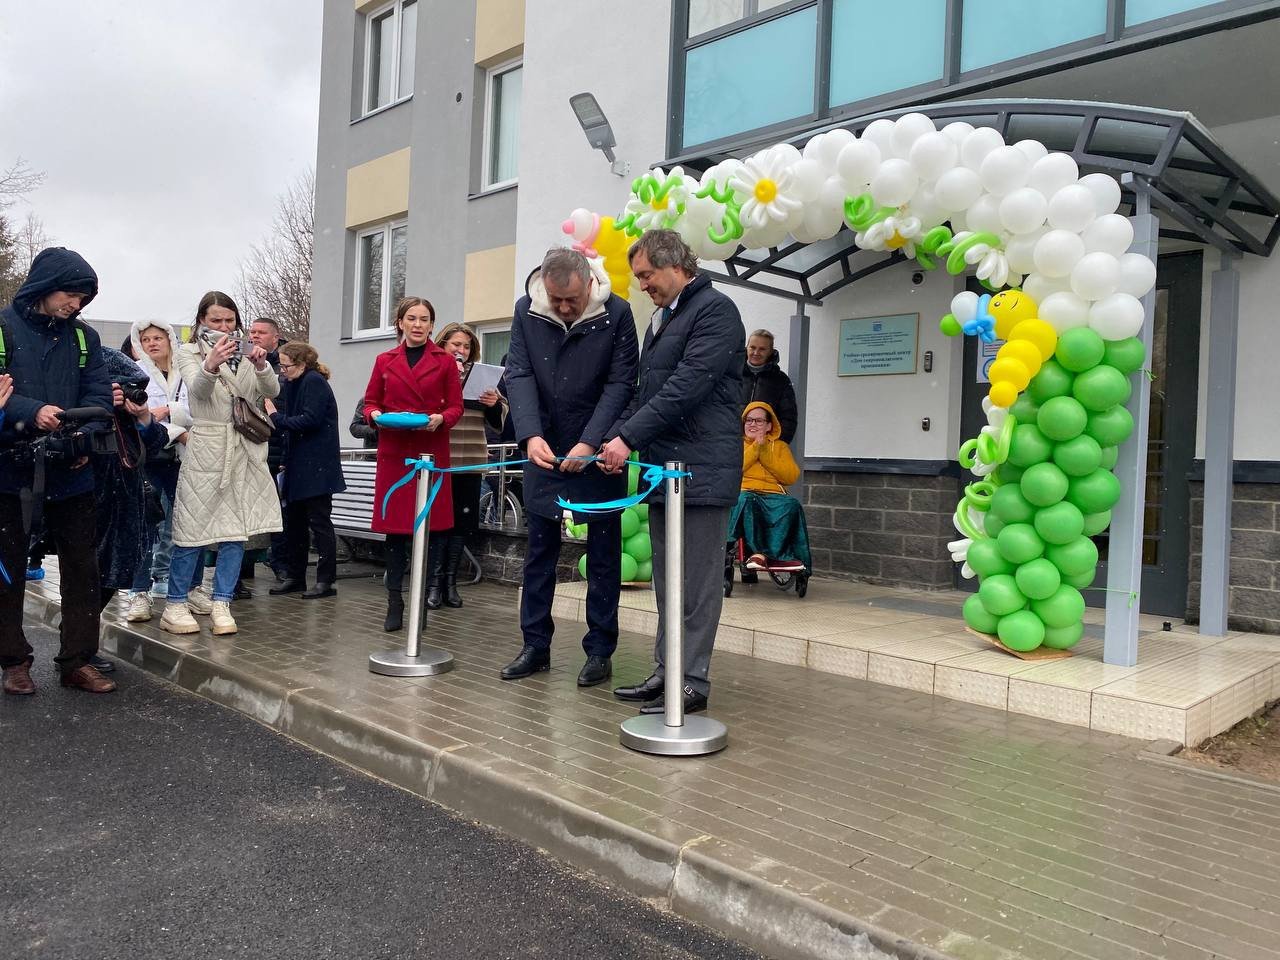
(637, 549)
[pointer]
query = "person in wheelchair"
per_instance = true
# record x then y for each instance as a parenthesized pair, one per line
(769, 521)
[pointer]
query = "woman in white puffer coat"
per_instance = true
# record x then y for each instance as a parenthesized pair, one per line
(225, 491)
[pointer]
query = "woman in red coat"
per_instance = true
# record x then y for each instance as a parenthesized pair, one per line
(415, 377)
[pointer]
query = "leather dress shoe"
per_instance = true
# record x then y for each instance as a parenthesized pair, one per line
(242, 593)
(641, 692)
(693, 702)
(595, 671)
(102, 664)
(17, 680)
(288, 585)
(319, 591)
(88, 679)
(531, 660)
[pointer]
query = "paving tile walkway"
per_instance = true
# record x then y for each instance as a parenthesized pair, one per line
(839, 803)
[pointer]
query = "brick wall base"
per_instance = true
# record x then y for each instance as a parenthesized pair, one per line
(501, 557)
(1254, 603)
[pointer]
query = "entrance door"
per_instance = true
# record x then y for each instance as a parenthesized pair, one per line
(1171, 438)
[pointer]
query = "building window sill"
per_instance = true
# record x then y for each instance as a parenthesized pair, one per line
(496, 188)
(382, 109)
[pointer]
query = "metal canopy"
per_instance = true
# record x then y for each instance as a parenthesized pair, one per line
(1168, 157)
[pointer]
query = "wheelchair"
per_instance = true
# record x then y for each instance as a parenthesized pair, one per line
(783, 579)
(752, 510)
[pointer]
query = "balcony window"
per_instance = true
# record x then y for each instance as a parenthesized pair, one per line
(998, 30)
(390, 40)
(863, 68)
(502, 125)
(381, 254)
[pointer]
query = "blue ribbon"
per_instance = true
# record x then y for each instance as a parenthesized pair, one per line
(982, 325)
(5, 573)
(653, 475)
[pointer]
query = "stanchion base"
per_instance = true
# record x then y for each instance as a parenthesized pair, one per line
(394, 663)
(649, 733)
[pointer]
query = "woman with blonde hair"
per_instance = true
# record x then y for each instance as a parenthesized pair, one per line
(312, 469)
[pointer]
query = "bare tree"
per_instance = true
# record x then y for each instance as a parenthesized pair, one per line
(275, 278)
(18, 246)
(17, 181)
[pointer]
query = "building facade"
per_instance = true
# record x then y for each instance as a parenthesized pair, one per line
(449, 156)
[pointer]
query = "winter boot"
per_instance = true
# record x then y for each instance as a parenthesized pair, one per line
(395, 611)
(435, 572)
(453, 557)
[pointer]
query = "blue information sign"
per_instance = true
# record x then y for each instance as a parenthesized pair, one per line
(878, 345)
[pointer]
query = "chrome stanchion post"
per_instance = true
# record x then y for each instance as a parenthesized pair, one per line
(503, 454)
(673, 734)
(416, 660)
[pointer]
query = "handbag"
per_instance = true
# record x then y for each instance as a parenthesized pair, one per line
(246, 419)
(153, 507)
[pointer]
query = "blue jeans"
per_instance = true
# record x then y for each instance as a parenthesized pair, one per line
(185, 562)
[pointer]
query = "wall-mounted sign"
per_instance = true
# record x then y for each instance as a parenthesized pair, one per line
(878, 345)
(986, 357)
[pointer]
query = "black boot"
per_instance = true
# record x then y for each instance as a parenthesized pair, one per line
(453, 557)
(435, 572)
(395, 611)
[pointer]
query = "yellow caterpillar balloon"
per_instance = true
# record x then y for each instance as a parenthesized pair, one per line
(1029, 342)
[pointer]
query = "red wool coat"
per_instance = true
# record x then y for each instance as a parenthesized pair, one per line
(430, 386)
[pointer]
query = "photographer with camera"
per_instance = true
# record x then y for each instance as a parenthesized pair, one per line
(56, 366)
(225, 491)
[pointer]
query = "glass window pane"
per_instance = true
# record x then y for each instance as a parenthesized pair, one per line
(1141, 11)
(381, 59)
(370, 283)
(399, 257)
(999, 30)
(494, 346)
(408, 44)
(706, 15)
(751, 79)
(504, 119)
(862, 67)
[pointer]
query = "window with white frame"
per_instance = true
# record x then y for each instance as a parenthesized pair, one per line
(380, 268)
(495, 341)
(390, 40)
(502, 124)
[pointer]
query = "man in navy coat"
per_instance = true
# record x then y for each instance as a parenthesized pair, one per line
(571, 370)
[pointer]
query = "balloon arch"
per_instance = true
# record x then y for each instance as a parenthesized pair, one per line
(1063, 295)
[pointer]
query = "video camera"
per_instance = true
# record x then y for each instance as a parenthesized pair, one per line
(71, 441)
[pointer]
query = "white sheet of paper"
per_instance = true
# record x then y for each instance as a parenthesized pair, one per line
(483, 376)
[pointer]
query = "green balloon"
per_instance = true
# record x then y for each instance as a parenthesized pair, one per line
(1062, 418)
(582, 566)
(1095, 523)
(993, 525)
(1064, 608)
(1081, 580)
(977, 617)
(1000, 595)
(1102, 387)
(644, 571)
(1021, 631)
(1009, 473)
(639, 547)
(633, 480)
(1074, 559)
(1092, 494)
(1109, 457)
(1127, 356)
(1079, 349)
(1079, 456)
(630, 524)
(1038, 579)
(642, 511)
(1019, 543)
(985, 559)
(629, 568)
(1010, 505)
(1063, 638)
(1024, 409)
(1111, 426)
(1053, 380)
(1029, 446)
(1044, 484)
(1060, 523)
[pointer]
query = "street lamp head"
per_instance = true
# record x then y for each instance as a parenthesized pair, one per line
(594, 123)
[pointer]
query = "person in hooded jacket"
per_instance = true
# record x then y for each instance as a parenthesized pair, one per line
(360, 429)
(770, 521)
(764, 381)
(56, 364)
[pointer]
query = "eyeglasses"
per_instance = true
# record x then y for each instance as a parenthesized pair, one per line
(287, 366)
(754, 420)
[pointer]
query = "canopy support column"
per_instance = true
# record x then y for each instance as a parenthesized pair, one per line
(798, 371)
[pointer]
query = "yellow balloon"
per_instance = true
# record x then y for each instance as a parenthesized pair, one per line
(1043, 336)
(1008, 308)
(1011, 370)
(1003, 394)
(1023, 351)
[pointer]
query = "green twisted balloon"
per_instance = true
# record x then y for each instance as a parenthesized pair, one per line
(861, 212)
(730, 221)
(955, 250)
(929, 246)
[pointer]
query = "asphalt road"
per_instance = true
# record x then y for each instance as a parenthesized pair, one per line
(149, 823)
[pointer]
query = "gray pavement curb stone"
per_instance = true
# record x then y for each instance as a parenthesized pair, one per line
(762, 904)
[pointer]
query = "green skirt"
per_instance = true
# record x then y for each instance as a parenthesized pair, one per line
(772, 524)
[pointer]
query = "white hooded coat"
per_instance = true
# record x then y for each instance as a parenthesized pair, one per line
(164, 390)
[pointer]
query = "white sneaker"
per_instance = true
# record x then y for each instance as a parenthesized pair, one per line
(178, 619)
(199, 602)
(223, 622)
(139, 608)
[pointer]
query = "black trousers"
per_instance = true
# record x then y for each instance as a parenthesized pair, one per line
(69, 524)
(305, 522)
(604, 582)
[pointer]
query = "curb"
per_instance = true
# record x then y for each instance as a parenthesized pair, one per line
(764, 905)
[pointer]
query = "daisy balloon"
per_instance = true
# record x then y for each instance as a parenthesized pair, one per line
(657, 201)
(764, 185)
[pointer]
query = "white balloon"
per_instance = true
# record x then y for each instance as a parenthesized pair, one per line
(858, 163)
(1004, 169)
(1057, 252)
(785, 152)
(1039, 287)
(825, 215)
(1095, 276)
(958, 131)
(957, 189)
(958, 222)
(978, 144)
(933, 154)
(582, 221)
(983, 215)
(1111, 234)
(1052, 172)
(813, 145)
(829, 149)
(807, 178)
(1023, 210)
(924, 205)
(1137, 275)
(1105, 190)
(1020, 250)
(880, 132)
(894, 183)
(1117, 317)
(1071, 208)
(1034, 149)
(909, 128)
(1063, 310)
(965, 306)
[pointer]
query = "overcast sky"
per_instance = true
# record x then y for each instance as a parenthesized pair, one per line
(165, 130)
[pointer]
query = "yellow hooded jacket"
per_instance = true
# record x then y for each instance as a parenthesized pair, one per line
(767, 467)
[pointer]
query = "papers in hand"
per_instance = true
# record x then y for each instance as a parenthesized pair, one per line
(483, 376)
